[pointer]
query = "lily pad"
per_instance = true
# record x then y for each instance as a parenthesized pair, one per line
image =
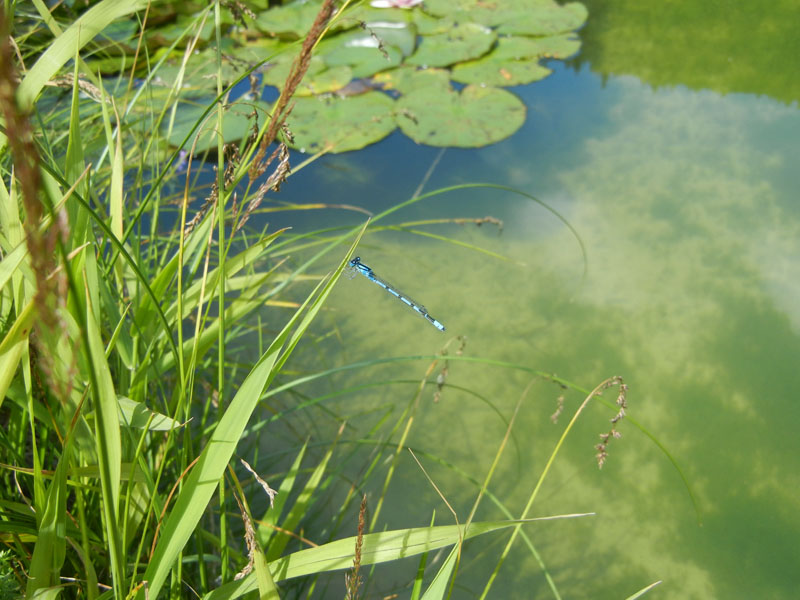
(500, 73)
(364, 62)
(555, 19)
(400, 35)
(362, 52)
(551, 46)
(477, 116)
(365, 13)
(462, 42)
(407, 79)
(522, 17)
(429, 25)
(318, 79)
(236, 123)
(290, 20)
(341, 124)
(513, 61)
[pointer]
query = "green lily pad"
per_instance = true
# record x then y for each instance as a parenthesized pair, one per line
(430, 25)
(341, 124)
(201, 70)
(500, 73)
(365, 61)
(236, 123)
(290, 20)
(361, 50)
(555, 19)
(521, 48)
(400, 35)
(407, 79)
(522, 17)
(513, 61)
(365, 13)
(329, 80)
(462, 42)
(477, 116)
(318, 79)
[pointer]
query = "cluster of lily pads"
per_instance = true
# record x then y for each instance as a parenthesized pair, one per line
(384, 68)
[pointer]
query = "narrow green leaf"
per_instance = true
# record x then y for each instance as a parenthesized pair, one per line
(13, 345)
(107, 438)
(49, 552)
(299, 509)
(74, 163)
(441, 581)
(267, 590)
(136, 414)
(10, 263)
(643, 591)
(385, 546)
(272, 515)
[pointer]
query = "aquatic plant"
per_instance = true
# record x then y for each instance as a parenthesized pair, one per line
(349, 97)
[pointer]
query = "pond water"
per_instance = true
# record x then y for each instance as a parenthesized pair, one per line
(670, 146)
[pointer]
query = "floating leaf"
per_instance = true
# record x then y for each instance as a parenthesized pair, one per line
(401, 35)
(554, 19)
(523, 17)
(362, 53)
(463, 42)
(477, 116)
(552, 46)
(364, 62)
(341, 124)
(201, 70)
(318, 79)
(429, 25)
(500, 73)
(365, 13)
(236, 123)
(513, 61)
(406, 79)
(290, 20)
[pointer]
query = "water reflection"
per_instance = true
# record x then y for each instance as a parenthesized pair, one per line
(725, 46)
(691, 295)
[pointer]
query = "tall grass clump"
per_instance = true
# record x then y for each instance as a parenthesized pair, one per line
(129, 448)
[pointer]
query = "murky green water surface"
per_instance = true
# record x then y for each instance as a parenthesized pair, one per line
(671, 146)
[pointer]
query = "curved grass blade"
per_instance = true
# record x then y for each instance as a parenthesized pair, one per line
(385, 546)
(643, 591)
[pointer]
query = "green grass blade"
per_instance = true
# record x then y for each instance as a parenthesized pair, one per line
(643, 591)
(385, 546)
(49, 552)
(299, 509)
(265, 532)
(441, 581)
(109, 443)
(13, 345)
